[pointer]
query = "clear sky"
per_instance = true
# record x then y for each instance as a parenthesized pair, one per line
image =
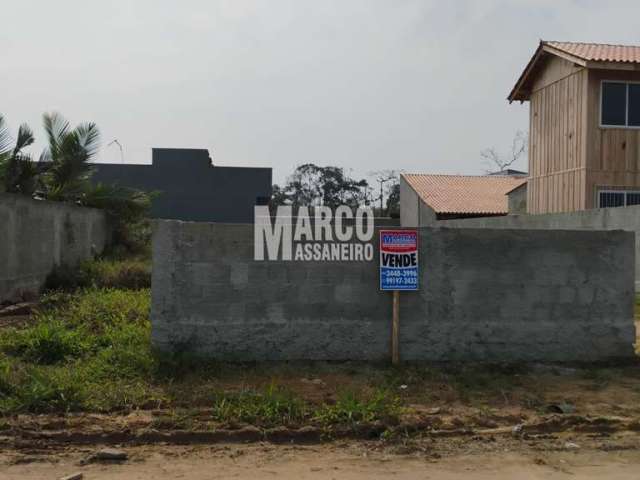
(417, 85)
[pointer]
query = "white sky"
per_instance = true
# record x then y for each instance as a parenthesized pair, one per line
(363, 84)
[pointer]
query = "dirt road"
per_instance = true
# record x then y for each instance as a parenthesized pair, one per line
(349, 461)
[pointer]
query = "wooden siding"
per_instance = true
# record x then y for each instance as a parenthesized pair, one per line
(557, 141)
(613, 154)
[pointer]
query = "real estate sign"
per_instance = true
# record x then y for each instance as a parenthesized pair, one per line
(398, 260)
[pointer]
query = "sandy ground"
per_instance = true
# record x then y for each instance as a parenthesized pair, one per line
(350, 461)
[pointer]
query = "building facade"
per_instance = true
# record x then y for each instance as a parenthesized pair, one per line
(584, 140)
(189, 187)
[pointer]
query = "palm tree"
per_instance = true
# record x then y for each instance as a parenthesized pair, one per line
(18, 172)
(68, 157)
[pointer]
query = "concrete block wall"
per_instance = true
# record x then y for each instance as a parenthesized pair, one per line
(621, 218)
(36, 235)
(485, 295)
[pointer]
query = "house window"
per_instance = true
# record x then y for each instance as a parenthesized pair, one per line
(620, 104)
(617, 198)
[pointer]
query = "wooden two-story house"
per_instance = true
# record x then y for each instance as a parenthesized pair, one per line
(584, 140)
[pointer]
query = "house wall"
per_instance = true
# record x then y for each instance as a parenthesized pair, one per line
(557, 139)
(570, 156)
(37, 235)
(485, 295)
(413, 211)
(613, 154)
(518, 200)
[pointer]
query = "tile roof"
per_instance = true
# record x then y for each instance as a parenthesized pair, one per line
(588, 55)
(599, 52)
(464, 194)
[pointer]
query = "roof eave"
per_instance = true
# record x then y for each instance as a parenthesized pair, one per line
(519, 93)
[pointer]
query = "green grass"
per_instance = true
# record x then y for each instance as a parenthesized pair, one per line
(111, 271)
(273, 406)
(91, 351)
(351, 408)
(84, 351)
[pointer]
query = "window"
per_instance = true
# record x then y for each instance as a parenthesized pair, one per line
(617, 198)
(620, 104)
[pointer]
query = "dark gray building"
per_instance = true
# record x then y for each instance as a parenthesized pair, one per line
(192, 188)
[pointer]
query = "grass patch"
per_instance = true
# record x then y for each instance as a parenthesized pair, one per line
(86, 351)
(273, 406)
(351, 408)
(112, 271)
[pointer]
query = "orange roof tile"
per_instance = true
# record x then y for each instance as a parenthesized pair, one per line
(588, 55)
(599, 52)
(464, 194)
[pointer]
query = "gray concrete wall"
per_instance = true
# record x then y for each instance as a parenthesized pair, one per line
(489, 295)
(413, 211)
(518, 200)
(622, 218)
(37, 235)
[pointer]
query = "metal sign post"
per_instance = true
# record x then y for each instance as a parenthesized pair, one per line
(398, 271)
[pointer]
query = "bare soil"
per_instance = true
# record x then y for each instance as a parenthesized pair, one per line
(555, 457)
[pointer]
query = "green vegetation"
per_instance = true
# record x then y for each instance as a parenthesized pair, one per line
(89, 350)
(104, 272)
(351, 408)
(273, 406)
(63, 173)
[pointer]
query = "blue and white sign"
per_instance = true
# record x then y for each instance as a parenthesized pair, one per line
(399, 260)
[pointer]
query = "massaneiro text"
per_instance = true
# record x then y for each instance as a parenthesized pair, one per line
(327, 238)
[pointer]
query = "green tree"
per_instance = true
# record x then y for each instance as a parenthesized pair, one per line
(18, 172)
(311, 185)
(68, 156)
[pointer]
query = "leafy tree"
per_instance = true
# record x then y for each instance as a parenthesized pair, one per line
(64, 172)
(70, 150)
(311, 185)
(393, 201)
(18, 173)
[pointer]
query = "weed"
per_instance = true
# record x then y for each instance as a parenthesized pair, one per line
(107, 272)
(47, 342)
(350, 409)
(44, 389)
(273, 406)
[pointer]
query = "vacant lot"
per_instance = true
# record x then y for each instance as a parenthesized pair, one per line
(79, 371)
